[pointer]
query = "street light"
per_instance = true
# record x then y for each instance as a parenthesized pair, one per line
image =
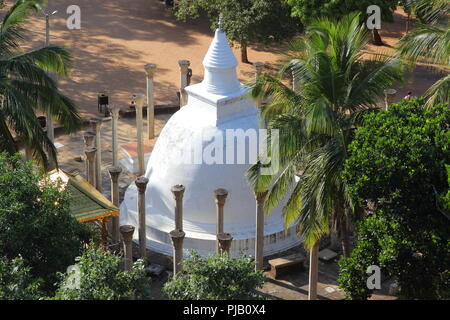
(50, 127)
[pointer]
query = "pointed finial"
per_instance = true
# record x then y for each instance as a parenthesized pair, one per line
(220, 22)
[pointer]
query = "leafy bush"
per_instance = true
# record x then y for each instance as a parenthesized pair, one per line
(16, 282)
(98, 276)
(218, 277)
(35, 221)
(398, 166)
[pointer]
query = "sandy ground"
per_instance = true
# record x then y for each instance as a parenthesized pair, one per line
(117, 38)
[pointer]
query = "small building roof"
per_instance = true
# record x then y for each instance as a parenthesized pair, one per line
(87, 203)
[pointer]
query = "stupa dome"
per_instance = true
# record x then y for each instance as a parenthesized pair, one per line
(189, 152)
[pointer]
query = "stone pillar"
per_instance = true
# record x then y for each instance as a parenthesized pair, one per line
(90, 160)
(178, 192)
(390, 96)
(50, 128)
(127, 235)
(259, 241)
(313, 271)
(140, 140)
(115, 141)
(150, 69)
(259, 66)
(294, 81)
(221, 197)
(89, 139)
(96, 126)
(184, 66)
(141, 184)
(177, 237)
(225, 240)
(114, 173)
(88, 143)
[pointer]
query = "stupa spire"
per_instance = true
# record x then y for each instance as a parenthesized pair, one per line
(220, 65)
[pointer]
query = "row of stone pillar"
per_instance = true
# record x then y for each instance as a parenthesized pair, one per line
(224, 239)
(93, 168)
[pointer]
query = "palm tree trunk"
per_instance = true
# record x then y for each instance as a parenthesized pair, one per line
(313, 271)
(345, 239)
(376, 38)
(244, 56)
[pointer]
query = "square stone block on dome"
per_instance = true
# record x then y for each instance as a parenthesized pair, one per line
(130, 151)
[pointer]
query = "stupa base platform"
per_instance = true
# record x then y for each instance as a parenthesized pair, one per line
(130, 159)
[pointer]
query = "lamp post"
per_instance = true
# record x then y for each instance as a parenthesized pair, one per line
(50, 127)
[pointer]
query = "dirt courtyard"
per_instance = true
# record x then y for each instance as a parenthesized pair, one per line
(117, 38)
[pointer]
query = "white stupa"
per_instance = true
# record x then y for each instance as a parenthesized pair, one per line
(218, 103)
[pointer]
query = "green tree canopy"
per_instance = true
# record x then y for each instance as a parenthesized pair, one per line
(245, 21)
(218, 277)
(98, 275)
(26, 87)
(35, 221)
(429, 42)
(308, 10)
(17, 282)
(398, 169)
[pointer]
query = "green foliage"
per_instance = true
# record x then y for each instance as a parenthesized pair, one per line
(98, 276)
(35, 221)
(399, 156)
(308, 10)
(429, 42)
(16, 281)
(244, 21)
(218, 277)
(27, 87)
(397, 165)
(335, 88)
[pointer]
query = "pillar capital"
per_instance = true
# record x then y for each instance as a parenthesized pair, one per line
(90, 153)
(127, 232)
(261, 196)
(225, 240)
(178, 191)
(390, 95)
(139, 99)
(184, 66)
(114, 110)
(88, 138)
(114, 173)
(141, 184)
(221, 196)
(177, 237)
(259, 66)
(150, 69)
(96, 124)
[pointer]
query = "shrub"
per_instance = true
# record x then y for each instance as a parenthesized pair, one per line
(35, 221)
(218, 277)
(398, 163)
(16, 281)
(97, 275)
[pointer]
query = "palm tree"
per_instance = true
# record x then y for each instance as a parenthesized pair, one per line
(430, 41)
(27, 88)
(335, 88)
